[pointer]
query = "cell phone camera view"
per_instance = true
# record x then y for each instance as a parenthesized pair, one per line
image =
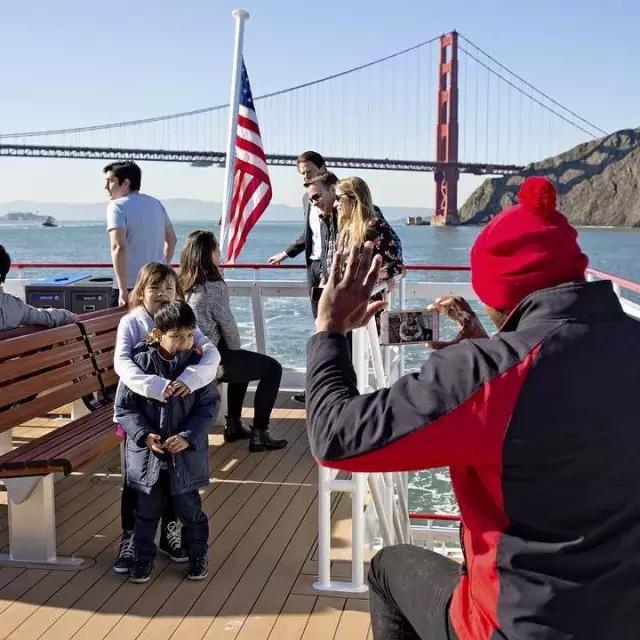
(408, 326)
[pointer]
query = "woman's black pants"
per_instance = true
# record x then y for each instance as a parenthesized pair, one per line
(239, 367)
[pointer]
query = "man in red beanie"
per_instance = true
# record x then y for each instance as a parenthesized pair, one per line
(537, 424)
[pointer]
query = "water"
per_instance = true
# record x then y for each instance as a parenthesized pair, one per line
(289, 321)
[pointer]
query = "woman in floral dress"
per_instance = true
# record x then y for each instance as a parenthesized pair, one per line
(359, 220)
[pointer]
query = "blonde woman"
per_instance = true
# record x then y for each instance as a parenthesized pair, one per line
(359, 220)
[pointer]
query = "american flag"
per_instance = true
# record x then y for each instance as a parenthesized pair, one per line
(251, 184)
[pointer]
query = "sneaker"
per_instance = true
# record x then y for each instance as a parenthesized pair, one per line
(299, 397)
(198, 568)
(141, 571)
(171, 541)
(125, 556)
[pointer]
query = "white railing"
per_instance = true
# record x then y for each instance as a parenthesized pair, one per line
(375, 368)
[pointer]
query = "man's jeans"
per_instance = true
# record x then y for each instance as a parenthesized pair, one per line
(410, 593)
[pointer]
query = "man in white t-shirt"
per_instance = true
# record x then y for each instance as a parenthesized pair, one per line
(139, 228)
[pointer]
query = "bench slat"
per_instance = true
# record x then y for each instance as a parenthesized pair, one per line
(102, 342)
(103, 323)
(46, 381)
(71, 430)
(14, 347)
(45, 403)
(59, 454)
(32, 364)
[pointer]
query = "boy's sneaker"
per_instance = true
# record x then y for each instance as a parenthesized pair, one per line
(141, 571)
(171, 541)
(125, 555)
(198, 568)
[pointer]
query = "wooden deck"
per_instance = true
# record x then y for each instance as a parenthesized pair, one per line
(262, 509)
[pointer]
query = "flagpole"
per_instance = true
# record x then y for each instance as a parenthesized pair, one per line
(240, 16)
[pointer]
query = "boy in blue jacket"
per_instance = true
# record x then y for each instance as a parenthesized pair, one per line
(167, 442)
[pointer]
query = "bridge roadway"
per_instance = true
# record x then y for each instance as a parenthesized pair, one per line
(208, 158)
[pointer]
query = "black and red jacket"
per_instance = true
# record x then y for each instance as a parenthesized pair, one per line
(540, 427)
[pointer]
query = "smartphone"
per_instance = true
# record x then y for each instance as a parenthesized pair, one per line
(409, 326)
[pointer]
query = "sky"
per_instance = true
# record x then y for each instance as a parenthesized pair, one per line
(74, 63)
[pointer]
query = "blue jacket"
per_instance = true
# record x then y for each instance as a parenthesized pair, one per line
(191, 417)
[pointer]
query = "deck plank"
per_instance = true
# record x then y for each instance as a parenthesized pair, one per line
(324, 619)
(231, 477)
(103, 546)
(143, 601)
(263, 549)
(354, 622)
(294, 618)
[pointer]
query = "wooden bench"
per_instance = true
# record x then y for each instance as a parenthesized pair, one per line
(24, 330)
(40, 372)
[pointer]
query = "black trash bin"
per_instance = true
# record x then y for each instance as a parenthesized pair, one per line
(52, 292)
(91, 294)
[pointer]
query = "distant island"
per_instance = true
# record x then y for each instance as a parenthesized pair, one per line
(183, 210)
(23, 216)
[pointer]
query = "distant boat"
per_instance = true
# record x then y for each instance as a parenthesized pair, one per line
(417, 220)
(49, 222)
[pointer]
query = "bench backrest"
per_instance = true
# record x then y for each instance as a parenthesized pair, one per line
(20, 331)
(100, 328)
(42, 371)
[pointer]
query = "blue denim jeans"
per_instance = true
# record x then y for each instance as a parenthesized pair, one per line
(411, 590)
(188, 508)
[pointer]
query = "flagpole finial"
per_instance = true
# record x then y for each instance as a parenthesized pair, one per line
(241, 14)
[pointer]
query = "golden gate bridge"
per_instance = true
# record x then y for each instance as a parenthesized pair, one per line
(485, 120)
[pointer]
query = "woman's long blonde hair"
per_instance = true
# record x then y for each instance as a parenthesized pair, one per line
(150, 274)
(353, 229)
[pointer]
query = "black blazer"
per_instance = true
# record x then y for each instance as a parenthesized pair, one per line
(305, 241)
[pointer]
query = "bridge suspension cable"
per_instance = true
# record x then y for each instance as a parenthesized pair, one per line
(528, 84)
(183, 114)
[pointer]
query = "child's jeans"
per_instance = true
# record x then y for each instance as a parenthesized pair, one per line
(188, 507)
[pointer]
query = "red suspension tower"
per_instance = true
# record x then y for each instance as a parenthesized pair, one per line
(446, 176)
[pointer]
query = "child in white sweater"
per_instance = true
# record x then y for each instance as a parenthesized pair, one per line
(157, 284)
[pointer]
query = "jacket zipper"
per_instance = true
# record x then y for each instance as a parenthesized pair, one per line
(463, 567)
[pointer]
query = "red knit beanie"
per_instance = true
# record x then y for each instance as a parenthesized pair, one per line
(527, 247)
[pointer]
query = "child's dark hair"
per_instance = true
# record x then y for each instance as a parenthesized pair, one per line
(5, 263)
(174, 315)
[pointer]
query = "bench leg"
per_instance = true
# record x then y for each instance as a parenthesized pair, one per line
(32, 523)
(78, 409)
(6, 442)
(222, 389)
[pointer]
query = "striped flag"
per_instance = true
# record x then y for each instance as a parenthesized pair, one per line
(251, 184)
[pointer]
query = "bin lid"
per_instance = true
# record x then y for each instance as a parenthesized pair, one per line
(94, 281)
(59, 280)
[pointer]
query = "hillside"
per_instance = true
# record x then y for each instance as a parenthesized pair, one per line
(598, 183)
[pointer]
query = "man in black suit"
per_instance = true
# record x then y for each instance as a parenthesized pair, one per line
(310, 164)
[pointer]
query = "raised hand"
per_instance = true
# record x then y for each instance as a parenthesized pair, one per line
(344, 304)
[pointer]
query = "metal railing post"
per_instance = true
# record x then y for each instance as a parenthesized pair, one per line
(257, 309)
(324, 529)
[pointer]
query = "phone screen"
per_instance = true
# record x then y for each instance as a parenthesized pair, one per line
(408, 326)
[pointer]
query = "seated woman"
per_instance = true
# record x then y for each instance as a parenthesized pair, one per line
(206, 293)
(359, 221)
(14, 313)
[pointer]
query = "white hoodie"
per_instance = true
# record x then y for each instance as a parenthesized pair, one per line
(134, 328)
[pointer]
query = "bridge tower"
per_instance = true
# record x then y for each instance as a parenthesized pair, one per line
(446, 176)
